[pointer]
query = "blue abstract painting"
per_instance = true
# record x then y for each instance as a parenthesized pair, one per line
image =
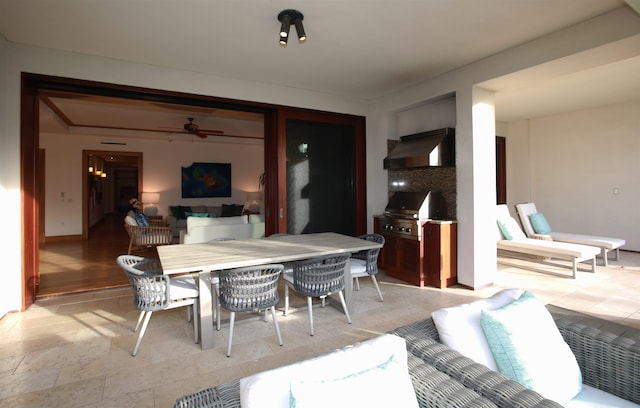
(206, 180)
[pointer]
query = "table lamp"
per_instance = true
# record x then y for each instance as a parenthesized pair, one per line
(148, 200)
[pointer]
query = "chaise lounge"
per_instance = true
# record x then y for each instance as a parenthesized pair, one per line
(511, 239)
(527, 210)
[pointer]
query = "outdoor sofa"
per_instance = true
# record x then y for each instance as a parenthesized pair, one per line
(442, 377)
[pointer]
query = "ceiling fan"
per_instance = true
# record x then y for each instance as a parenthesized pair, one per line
(194, 129)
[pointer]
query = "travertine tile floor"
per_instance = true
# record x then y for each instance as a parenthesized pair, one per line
(75, 351)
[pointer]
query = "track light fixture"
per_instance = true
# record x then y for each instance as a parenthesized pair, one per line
(286, 17)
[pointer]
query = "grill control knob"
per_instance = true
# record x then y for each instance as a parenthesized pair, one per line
(388, 227)
(408, 229)
(402, 229)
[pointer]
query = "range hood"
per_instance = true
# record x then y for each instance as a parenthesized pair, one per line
(427, 149)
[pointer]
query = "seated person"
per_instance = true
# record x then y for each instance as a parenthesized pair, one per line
(136, 212)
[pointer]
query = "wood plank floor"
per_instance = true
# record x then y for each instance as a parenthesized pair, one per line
(85, 265)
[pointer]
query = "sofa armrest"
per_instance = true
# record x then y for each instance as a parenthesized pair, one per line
(608, 361)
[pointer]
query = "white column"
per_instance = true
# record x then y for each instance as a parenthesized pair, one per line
(476, 178)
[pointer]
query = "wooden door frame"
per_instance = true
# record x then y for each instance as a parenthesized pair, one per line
(280, 195)
(32, 85)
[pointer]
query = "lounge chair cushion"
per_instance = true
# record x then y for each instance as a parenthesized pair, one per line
(459, 326)
(539, 223)
(529, 348)
(512, 228)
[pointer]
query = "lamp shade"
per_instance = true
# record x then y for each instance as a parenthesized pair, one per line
(150, 198)
(254, 196)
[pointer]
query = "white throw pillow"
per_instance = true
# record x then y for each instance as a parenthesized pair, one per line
(272, 388)
(529, 348)
(129, 220)
(459, 326)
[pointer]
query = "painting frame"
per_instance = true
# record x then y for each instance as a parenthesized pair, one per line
(206, 180)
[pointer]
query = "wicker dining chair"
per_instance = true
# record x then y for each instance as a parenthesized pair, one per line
(153, 291)
(249, 289)
(365, 263)
(318, 277)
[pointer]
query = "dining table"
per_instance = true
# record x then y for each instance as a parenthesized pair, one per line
(207, 258)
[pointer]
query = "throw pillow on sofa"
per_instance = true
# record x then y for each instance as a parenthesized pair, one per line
(459, 326)
(528, 348)
(272, 388)
(231, 210)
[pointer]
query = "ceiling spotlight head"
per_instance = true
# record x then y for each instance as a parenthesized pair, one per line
(286, 17)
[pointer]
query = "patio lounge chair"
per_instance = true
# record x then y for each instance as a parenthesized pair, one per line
(525, 210)
(511, 238)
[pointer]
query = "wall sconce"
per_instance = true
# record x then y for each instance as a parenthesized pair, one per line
(254, 198)
(286, 17)
(149, 199)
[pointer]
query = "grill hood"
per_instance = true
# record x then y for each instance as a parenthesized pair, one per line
(435, 148)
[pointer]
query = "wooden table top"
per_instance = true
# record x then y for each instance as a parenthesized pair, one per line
(249, 252)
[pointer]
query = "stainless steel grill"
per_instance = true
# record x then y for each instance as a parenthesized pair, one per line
(406, 212)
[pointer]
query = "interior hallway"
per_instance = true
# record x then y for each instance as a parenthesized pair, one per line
(75, 351)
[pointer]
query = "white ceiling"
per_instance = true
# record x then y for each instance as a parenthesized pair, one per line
(357, 48)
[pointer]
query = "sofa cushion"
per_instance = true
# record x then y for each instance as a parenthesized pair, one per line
(591, 397)
(230, 210)
(528, 348)
(539, 223)
(198, 208)
(196, 214)
(368, 388)
(272, 388)
(459, 326)
(177, 211)
(130, 220)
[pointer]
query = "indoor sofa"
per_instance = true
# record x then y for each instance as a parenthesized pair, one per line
(609, 364)
(204, 229)
(177, 218)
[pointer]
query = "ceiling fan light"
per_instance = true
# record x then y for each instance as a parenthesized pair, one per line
(283, 41)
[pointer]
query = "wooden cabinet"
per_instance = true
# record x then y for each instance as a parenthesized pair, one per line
(441, 252)
(402, 258)
(431, 261)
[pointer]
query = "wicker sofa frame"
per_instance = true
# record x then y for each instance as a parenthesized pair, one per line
(609, 361)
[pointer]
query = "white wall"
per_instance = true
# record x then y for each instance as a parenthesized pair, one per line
(476, 256)
(10, 199)
(162, 162)
(573, 163)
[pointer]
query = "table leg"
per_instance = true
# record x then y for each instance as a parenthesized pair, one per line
(206, 316)
(348, 286)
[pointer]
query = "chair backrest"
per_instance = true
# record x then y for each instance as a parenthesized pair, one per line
(150, 286)
(524, 210)
(370, 256)
(250, 288)
(319, 276)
